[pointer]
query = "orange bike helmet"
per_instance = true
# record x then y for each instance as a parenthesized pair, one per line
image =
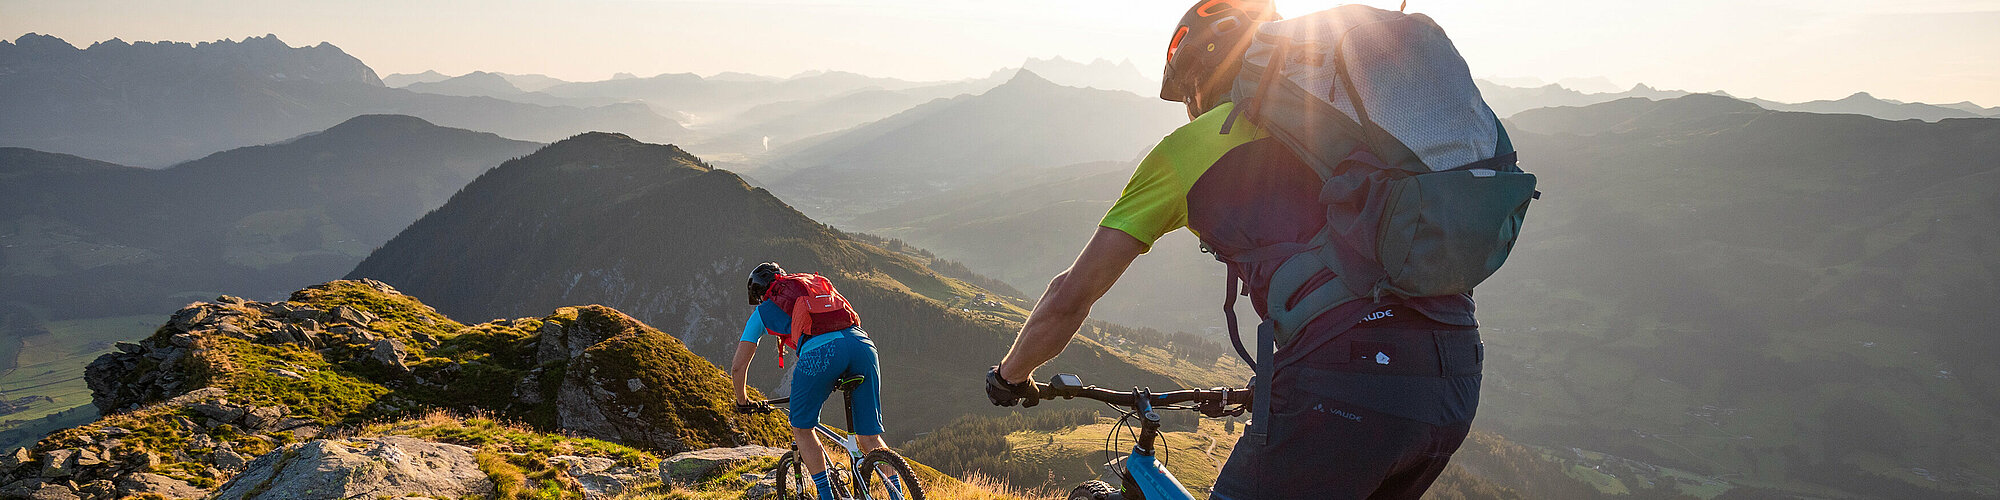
(1207, 47)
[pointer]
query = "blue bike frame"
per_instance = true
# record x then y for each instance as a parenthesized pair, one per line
(1155, 482)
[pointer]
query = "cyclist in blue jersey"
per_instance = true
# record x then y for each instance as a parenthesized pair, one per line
(843, 349)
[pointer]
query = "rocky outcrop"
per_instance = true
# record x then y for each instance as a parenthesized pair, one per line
(627, 382)
(599, 478)
(694, 466)
(388, 466)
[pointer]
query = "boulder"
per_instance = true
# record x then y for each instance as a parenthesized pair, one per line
(130, 347)
(694, 466)
(15, 459)
(350, 315)
(390, 354)
(219, 411)
(599, 478)
(388, 466)
(59, 463)
(228, 461)
(260, 418)
(142, 483)
(44, 491)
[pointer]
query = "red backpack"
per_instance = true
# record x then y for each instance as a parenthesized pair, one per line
(814, 305)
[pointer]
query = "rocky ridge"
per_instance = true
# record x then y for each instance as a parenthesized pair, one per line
(243, 399)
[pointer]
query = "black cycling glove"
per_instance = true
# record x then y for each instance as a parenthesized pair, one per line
(1005, 394)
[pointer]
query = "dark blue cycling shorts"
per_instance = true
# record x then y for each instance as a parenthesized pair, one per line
(851, 352)
(1374, 413)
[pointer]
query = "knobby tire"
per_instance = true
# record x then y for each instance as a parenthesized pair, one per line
(1093, 490)
(870, 482)
(794, 483)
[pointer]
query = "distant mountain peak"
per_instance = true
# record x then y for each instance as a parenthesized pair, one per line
(1026, 77)
(382, 121)
(1860, 96)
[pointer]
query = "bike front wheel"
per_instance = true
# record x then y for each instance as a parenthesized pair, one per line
(1094, 490)
(796, 483)
(884, 475)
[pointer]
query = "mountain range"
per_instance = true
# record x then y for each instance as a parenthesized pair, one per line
(1507, 100)
(153, 104)
(954, 143)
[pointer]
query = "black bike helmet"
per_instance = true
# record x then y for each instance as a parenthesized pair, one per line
(760, 280)
(1207, 50)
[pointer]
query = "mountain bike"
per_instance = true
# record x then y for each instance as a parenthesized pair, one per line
(794, 483)
(1143, 476)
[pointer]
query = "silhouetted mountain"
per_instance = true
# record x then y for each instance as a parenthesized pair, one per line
(153, 104)
(1863, 104)
(1508, 100)
(400, 80)
(710, 99)
(1098, 74)
(94, 239)
(477, 83)
(1768, 298)
(947, 144)
(653, 231)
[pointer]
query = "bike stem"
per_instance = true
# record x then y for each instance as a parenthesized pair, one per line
(1149, 420)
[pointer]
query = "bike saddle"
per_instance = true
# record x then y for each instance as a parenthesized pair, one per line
(849, 383)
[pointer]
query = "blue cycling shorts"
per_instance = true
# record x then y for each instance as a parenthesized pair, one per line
(825, 359)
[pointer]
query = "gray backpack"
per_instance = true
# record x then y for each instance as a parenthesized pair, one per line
(1422, 192)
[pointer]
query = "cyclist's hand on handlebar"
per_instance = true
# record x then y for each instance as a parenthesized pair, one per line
(758, 407)
(1002, 393)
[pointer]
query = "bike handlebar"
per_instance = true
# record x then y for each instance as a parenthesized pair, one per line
(1217, 395)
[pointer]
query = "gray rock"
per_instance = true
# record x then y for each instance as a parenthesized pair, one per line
(390, 354)
(599, 478)
(261, 418)
(285, 373)
(50, 491)
(232, 330)
(130, 347)
(305, 313)
(190, 317)
(140, 483)
(90, 457)
(234, 301)
(763, 487)
(59, 463)
(15, 459)
(388, 466)
(562, 344)
(101, 488)
(219, 411)
(694, 466)
(229, 461)
(352, 316)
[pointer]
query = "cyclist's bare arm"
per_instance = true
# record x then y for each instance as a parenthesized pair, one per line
(1067, 302)
(739, 370)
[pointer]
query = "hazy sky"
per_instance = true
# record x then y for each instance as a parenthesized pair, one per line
(1791, 50)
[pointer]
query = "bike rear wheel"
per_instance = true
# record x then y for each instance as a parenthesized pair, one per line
(1094, 490)
(884, 470)
(795, 483)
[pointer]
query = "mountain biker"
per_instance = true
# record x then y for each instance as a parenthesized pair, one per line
(822, 358)
(1348, 423)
